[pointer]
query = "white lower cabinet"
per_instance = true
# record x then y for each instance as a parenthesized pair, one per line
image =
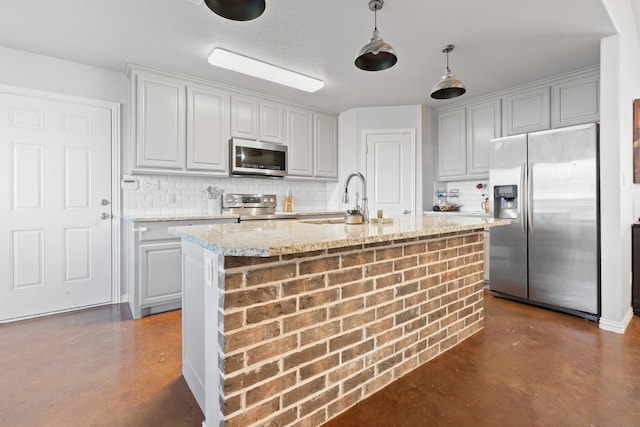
(154, 265)
(160, 281)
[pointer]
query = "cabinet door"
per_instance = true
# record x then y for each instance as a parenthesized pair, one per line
(452, 143)
(160, 123)
(483, 124)
(160, 272)
(575, 101)
(244, 117)
(527, 111)
(272, 123)
(208, 130)
(326, 146)
(300, 131)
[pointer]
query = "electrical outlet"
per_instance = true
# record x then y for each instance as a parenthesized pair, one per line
(150, 184)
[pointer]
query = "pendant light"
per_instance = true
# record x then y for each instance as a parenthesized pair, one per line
(449, 86)
(376, 55)
(237, 10)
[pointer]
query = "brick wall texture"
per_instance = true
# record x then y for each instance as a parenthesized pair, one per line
(306, 336)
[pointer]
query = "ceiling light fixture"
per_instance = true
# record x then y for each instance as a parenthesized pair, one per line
(237, 10)
(449, 86)
(376, 55)
(252, 67)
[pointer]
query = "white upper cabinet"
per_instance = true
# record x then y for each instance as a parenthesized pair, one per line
(272, 122)
(326, 145)
(160, 122)
(483, 124)
(244, 117)
(465, 129)
(463, 140)
(452, 141)
(255, 119)
(300, 141)
(527, 111)
(182, 126)
(576, 101)
(208, 130)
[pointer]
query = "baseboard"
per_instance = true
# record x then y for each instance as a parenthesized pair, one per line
(617, 327)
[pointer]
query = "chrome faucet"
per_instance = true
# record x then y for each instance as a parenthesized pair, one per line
(365, 200)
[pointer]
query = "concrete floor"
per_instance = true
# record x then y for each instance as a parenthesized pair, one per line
(528, 367)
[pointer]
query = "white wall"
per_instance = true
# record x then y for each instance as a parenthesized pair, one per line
(620, 68)
(428, 157)
(351, 123)
(45, 73)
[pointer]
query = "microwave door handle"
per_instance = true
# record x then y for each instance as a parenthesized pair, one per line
(523, 174)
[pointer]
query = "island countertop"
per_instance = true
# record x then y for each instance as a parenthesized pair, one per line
(273, 238)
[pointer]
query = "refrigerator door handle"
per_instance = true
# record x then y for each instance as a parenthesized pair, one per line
(530, 198)
(523, 173)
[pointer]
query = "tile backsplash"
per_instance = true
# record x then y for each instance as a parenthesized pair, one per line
(165, 195)
(469, 197)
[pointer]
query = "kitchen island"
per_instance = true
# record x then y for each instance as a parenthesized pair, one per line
(293, 322)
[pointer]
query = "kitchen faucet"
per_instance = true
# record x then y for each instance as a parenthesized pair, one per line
(365, 200)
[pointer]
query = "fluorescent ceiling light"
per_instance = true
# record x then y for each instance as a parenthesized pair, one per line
(252, 67)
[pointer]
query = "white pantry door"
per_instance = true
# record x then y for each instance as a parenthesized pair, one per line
(390, 171)
(55, 182)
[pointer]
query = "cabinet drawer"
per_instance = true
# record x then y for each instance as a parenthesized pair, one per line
(158, 230)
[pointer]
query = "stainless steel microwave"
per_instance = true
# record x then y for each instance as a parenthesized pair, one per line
(257, 158)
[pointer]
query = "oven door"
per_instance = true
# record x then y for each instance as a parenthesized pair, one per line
(258, 158)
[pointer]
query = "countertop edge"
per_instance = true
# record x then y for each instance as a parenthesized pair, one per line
(332, 243)
(177, 217)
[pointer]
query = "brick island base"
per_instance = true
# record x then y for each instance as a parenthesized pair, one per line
(294, 340)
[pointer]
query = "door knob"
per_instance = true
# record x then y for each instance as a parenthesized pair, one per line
(105, 215)
(406, 211)
(104, 202)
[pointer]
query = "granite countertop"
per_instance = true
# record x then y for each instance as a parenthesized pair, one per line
(272, 238)
(193, 217)
(178, 217)
(459, 213)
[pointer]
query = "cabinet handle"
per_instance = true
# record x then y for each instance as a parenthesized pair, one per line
(140, 229)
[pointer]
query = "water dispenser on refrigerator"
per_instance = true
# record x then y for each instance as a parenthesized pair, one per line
(505, 201)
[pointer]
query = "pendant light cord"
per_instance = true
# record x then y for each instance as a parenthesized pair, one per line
(375, 19)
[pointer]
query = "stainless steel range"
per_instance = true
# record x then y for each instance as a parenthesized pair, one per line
(252, 207)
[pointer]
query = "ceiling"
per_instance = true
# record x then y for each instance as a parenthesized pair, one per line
(499, 43)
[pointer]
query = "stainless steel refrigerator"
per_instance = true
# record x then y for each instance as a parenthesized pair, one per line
(547, 183)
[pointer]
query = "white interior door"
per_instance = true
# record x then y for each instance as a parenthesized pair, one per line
(55, 209)
(390, 170)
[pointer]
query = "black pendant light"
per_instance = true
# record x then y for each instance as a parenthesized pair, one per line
(376, 55)
(237, 10)
(449, 86)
